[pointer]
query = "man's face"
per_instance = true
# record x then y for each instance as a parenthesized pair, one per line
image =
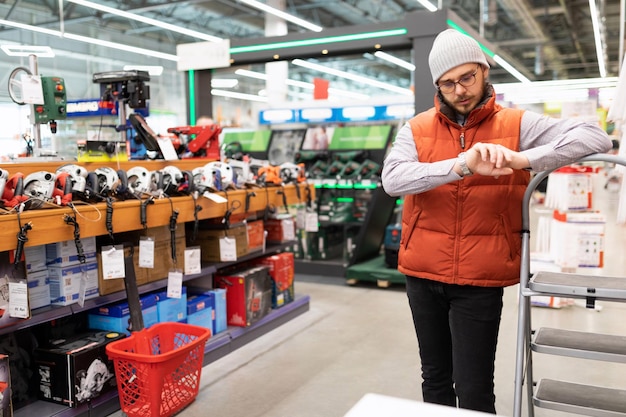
(463, 87)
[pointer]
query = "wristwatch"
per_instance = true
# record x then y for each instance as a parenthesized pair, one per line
(463, 165)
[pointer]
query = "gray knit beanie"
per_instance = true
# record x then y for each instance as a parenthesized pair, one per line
(450, 49)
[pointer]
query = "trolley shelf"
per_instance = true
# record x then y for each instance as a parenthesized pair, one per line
(580, 344)
(580, 399)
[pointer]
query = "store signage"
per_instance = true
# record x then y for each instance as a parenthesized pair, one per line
(203, 55)
(340, 114)
(91, 108)
(277, 116)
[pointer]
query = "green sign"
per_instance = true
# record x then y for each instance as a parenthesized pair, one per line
(251, 141)
(359, 137)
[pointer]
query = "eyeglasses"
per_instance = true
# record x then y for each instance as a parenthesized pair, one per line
(465, 81)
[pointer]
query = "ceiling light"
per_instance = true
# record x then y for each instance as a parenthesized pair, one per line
(25, 50)
(120, 46)
(428, 5)
(240, 96)
(224, 82)
(279, 13)
(500, 61)
(147, 20)
(353, 77)
(598, 39)
(154, 70)
(395, 60)
(30, 27)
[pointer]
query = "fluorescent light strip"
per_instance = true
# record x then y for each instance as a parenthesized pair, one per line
(121, 47)
(26, 50)
(302, 84)
(395, 60)
(147, 20)
(428, 5)
(598, 40)
(279, 13)
(353, 77)
(500, 61)
(319, 41)
(154, 70)
(224, 82)
(31, 28)
(240, 96)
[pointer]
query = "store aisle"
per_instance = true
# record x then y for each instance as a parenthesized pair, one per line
(357, 340)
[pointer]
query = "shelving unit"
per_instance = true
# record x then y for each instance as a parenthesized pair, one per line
(565, 396)
(48, 226)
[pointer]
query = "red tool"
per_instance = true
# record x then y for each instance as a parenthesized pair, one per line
(205, 142)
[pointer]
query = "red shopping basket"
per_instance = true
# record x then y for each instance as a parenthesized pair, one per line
(158, 369)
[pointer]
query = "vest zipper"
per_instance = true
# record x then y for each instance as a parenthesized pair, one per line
(462, 140)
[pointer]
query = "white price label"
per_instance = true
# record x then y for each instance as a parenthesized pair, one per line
(113, 262)
(192, 261)
(146, 253)
(175, 284)
(228, 249)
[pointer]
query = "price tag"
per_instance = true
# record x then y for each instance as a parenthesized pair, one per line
(312, 223)
(216, 198)
(18, 300)
(146, 252)
(301, 218)
(228, 249)
(175, 284)
(113, 262)
(82, 288)
(288, 229)
(192, 261)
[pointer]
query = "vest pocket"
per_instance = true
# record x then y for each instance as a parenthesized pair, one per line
(408, 229)
(508, 236)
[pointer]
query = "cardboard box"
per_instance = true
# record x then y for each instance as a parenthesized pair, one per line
(163, 262)
(199, 311)
(65, 254)
(282, 270)
(38, 278)
(6, 406)
(39, 296)
(209, 241)
(281, 229)
(216, 300)
(248, 295)
(116, 317)
(171, 309)
(109, 286)
(75, 370)
(35, 257)
(65, 282)
(256, 235)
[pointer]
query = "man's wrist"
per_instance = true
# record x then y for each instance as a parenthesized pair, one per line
(461, 160)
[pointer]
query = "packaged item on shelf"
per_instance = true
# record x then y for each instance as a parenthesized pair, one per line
(199, 311)
(281, 268)
(108, 286)
(577, 239)
(65, 253)
(116, 317)
(65, 282)
(171, 309)
(256, 235)
(163, 261)
(6, 407)
(38, 289)
(216, 300)
(35, 257)
(75, 370)
(280, 228)
(248, 295)
(209, 240)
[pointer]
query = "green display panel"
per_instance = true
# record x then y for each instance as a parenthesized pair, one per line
(252, 141)
(359, 137)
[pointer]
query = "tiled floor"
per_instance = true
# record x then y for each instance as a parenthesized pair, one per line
(357, 340)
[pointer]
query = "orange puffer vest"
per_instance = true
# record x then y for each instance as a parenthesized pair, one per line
(465, 232)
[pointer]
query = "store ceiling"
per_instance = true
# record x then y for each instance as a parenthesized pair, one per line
(543, 39)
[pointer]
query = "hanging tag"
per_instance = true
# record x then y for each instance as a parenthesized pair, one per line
(192, 261)
(146, 252)
(82, 288)
(113, 262)
(175, 284)
(18, 300)
(288, 229)
(312, 223)
(228, 249)
(264, 240)
(214, 197)
(301, 217)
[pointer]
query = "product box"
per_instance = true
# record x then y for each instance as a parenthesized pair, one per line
(256, 235)
(209, 240)
(39, 296)
(65, 282)
(35, 257)
(116, 317)
(163, 262)
(248, 295)
(171, 309)
(37, 278)
(6, 407)
(281, 229)
(199, 311)
(65, 254)
(577, 239)
(75, 370)
(282, 270)
(109, 286)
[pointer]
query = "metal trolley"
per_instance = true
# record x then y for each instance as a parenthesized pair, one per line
(572, 398)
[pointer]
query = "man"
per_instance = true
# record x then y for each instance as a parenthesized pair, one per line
(462, 167)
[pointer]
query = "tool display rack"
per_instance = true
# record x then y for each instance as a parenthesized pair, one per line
(554, 394)
(48, 226)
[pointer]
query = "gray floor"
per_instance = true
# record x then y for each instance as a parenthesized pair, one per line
(357, 340)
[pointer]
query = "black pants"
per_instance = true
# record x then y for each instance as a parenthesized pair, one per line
(457, 331)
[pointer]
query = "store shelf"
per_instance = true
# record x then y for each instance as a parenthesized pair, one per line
(216, 347)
